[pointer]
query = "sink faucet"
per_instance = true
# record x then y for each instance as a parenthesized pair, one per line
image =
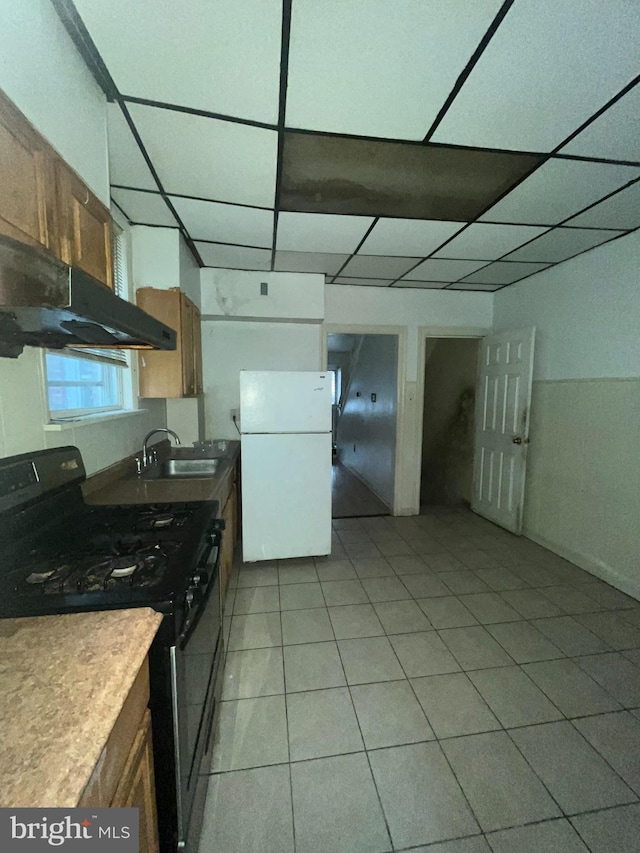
(145, 452)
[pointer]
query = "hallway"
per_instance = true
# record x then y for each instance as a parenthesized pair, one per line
(350, 497)
(434, 681)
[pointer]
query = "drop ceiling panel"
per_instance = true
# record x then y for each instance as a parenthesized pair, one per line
(621, 210)
(225, 223)
(377, 266)
(358, 67)
(484, 241)
(441, 270)
(334, 174)
(234, 257)
(408, 237)
(562, 243)
(327, 263)
(502, 272)
(232, 51)
(421, 285)
(144, 208)
(615, 134)
(548, 68)
(559, 189)
(321, 232)
(363, 282)
(208, 158)
(127, 166)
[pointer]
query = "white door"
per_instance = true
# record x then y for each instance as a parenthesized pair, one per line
(285, 401)
(286, 496)
(503, 399)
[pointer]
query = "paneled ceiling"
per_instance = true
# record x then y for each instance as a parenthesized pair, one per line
(415, 143)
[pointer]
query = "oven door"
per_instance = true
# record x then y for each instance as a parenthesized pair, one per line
(195, 665)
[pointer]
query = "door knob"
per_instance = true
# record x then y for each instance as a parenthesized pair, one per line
(517, 440)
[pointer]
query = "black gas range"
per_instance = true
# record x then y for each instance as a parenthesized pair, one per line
(59, 554)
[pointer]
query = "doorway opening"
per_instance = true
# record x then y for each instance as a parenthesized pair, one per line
(450, 372)
(365, 415)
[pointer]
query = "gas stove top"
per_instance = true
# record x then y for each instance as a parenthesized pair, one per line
(59, 554)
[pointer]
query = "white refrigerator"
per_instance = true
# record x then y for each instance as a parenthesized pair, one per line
(285, 426)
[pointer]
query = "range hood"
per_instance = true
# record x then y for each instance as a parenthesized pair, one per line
(46, 303)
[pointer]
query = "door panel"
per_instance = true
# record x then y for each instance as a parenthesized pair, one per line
(502, 426)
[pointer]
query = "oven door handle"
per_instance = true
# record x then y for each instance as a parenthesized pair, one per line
(215, 542)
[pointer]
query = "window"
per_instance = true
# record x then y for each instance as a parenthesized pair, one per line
(84, 381)
(81, 386)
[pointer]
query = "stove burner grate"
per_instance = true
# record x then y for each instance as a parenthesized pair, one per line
(131, 563)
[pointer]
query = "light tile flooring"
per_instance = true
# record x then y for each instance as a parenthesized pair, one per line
(435, 685)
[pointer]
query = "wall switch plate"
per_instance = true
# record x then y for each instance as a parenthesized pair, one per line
(264, 288)
(373, 398)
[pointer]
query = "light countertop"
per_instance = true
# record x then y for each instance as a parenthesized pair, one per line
(63, 682)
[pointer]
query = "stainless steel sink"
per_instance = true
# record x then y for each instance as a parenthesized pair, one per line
(182, 469)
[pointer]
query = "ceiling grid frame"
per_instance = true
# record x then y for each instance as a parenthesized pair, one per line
(91, 54)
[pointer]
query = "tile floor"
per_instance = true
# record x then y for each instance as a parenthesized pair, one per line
(437, 685)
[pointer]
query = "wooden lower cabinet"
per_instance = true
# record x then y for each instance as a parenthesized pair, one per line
(124, 776)
(136, 788)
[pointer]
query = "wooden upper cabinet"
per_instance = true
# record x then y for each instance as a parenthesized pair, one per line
(27, 185)
(176, 373)
(44, 203)
(85, 226)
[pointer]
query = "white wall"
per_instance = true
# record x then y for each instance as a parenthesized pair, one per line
(409, 311)
(242, 330)
(582, 498)
(156, 257)
(231, 297)
(231, 346)
(189, 273)
(587, 313)
(367, 430)
(410, 308)
(236, 294)
(42, 72)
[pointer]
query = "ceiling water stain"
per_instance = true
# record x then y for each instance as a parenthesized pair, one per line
(332, 174)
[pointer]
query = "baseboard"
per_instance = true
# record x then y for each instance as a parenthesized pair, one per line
(594, 567)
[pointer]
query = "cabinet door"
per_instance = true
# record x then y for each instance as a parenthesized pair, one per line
(197, 351)
(188, 352)
(27, 209)
(161, 373)
(85, 227)
(136, 788)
